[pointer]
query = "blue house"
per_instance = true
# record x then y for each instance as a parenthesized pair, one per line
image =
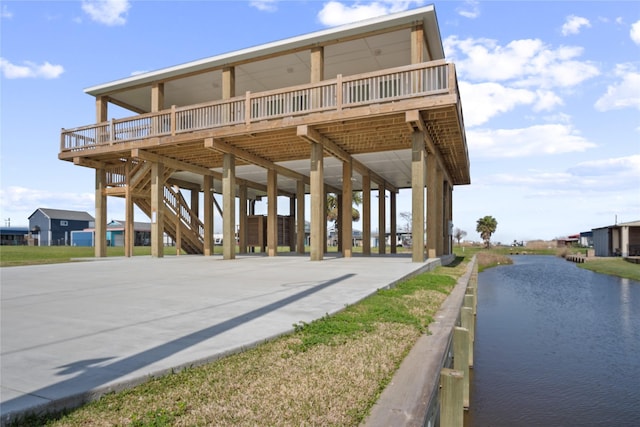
(53, 227)
(13, 236)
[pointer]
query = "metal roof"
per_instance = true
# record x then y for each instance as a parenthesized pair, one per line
(64, 214)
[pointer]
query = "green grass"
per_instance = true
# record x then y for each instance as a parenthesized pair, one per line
(327, 372)
(33, 255)
(613, 266)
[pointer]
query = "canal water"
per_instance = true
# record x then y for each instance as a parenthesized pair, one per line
(556, 345)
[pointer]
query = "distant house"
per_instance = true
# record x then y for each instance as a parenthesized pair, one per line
(617, 240)
(53, 227)
(586, 239)
(12, 236)
(572, 240)
(115, 234)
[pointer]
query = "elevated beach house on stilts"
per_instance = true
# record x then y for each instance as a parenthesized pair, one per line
(371, 106)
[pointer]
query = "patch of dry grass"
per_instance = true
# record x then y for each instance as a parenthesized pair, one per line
(333, 380)
(488, 259)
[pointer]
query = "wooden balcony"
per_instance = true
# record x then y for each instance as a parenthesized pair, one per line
(361, 114)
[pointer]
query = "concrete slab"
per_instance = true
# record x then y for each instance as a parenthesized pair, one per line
(71, 332)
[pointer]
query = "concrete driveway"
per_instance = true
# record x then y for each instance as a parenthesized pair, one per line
(71, 332)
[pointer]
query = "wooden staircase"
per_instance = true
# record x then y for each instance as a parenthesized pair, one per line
(180, 222)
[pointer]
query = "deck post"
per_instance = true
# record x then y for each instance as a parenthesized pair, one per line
(432, 216)
(195, 207)
(366, 214)
(439, 211)
(101, 214)
(157, 209)
(451, 395)
(129, 232)
(393, 236)
(229, 206)
(318, 217)
(242, 216)
(417, 197)
(382, 223)
(207, 188)
(300, 237)
(272, 212)
(346, 219)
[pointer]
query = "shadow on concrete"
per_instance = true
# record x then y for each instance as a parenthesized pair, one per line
(92, 375)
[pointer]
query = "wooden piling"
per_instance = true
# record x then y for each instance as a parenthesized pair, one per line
(461, 360)
(451, 394)
(467, 321)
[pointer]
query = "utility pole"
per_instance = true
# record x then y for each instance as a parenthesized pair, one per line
(7, 222)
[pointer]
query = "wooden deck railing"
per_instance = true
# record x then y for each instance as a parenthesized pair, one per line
(430, 78)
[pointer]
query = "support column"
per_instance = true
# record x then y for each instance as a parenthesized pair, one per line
(366, 215)
(229, 206)
(272, 212)
(447, 219)
(417, 197)
(624, 241)
(242, 216)
(346, 221)
(129, 232)
(157, 210)
(102, 108)
(300, 237)
(207, 189)
(101, 215)
(292, 224)
(382, 220)
(129, 238)
(316, 75)
(432, 216)
(338, 222)
(318, 216)
(195, 206)
(393, 220)
(157, 97)
(440, 212)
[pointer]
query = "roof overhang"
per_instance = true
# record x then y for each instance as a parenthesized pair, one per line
(425, 15)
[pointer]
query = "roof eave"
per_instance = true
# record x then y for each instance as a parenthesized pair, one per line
(427, 13)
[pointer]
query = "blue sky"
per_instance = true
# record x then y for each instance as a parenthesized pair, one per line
(550, 93)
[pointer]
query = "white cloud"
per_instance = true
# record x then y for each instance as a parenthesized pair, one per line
(5, 13)
(573, 24)
(335, 13)
(610, 176)
(265, 5)
(18, 203)
(108, 12)
(623, 94)
(536, 140)
(523, 63)
(546, 101)
(625, 169)
(471, 9)
(30, 70)
(635, 32)
(483, 101)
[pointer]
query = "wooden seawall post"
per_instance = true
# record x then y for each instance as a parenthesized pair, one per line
(451, 395)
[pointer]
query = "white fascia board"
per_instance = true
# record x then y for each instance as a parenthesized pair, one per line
(427, 14)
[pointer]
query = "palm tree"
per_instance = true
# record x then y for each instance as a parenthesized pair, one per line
(486, 227)
(332, 207)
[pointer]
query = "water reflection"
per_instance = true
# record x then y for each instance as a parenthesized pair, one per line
(556, 345)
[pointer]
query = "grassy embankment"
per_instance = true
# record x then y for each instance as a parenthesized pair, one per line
(327, 372)
(614, 266)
